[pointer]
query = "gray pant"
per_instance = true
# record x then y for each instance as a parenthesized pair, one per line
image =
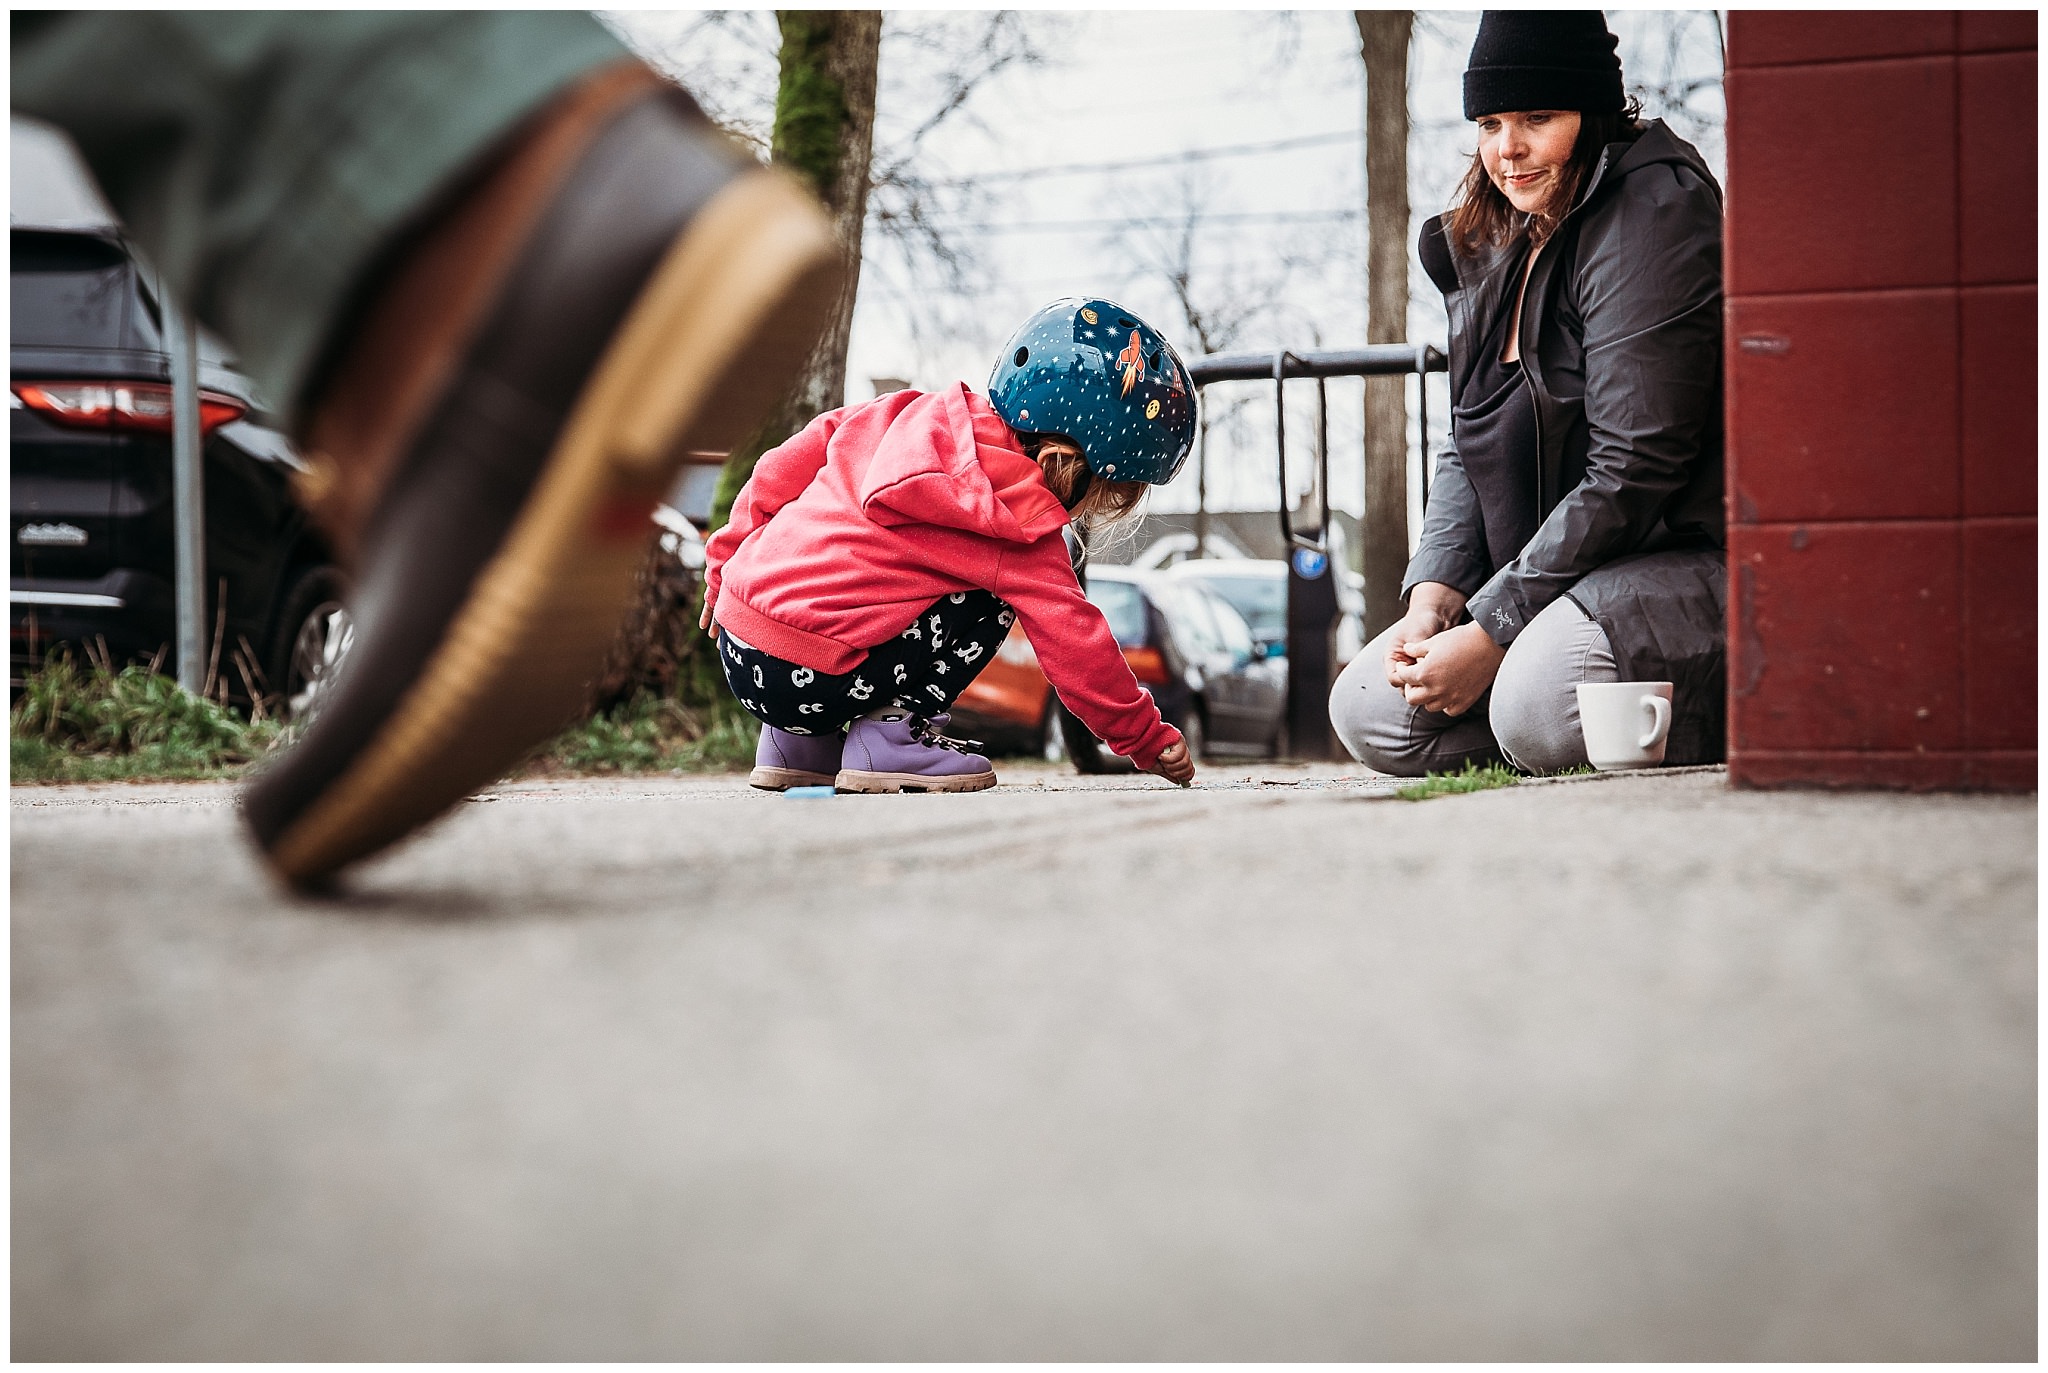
(1529, 716)
(264, 161)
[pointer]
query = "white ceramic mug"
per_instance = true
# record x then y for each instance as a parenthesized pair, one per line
(1625, 723)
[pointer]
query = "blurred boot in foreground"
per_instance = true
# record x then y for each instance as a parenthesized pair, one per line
(500, 277)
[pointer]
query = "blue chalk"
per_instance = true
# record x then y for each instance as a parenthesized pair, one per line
(804, 793)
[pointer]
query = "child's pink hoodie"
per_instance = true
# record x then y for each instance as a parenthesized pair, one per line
(851, 528)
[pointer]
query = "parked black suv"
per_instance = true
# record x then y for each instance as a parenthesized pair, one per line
(93, 538)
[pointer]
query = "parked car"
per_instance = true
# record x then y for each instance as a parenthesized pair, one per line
(90, 464)
(1257, 588)
(1185, 645)
(1010, 707)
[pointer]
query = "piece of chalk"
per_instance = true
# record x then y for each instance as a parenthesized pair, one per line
(805, 793)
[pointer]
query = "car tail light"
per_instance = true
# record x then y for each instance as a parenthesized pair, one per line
(1148, 666)
(142, 405)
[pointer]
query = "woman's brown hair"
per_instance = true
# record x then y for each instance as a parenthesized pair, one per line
(1091, 502)
(1484, 218)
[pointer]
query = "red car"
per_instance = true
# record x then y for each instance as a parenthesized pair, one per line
(1185, 645)
(1010, 706)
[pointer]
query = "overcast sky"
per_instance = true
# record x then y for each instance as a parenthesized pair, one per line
(1196, 100)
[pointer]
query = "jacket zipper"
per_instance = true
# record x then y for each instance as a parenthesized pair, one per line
(1536, 412)
(1522, 352)
(1528, 379)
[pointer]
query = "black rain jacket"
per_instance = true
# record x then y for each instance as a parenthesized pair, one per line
(1621, 341)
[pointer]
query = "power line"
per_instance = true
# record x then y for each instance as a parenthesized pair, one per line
(1075, 226)
(1314, 140)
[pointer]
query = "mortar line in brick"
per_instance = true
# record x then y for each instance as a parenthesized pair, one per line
(1828, 293)
(1864, 61)
(1944, 754)
(1879, 521)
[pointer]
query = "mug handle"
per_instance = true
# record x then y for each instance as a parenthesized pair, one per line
(1660, 711)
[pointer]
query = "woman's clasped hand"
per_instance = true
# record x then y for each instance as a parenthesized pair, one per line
(1435, 662)
(1447, 672)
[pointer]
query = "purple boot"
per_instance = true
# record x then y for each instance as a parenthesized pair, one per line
(783, 760)
(890, 751)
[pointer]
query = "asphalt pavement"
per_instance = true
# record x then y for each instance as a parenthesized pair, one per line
(1277, 1068)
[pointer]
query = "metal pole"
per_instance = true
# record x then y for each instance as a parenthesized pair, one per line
(1422, 353)
(188, 494)
(1373, 360)
(1323, 455)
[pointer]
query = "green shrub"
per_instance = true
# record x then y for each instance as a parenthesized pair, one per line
(654, 734)
(94, 723)
(660, 704)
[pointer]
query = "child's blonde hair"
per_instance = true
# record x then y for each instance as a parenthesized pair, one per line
(1102, 504)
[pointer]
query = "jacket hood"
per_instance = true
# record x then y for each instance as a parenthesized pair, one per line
(1657, 147)
(948, 459)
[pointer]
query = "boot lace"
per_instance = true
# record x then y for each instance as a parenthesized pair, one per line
(928, 734)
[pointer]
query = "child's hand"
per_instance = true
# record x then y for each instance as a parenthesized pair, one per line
(1174, 764)
(707, 620)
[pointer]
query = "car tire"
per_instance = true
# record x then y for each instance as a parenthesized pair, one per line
(313, 635)
(1195, 734)
(1052, 742)
(1089, 754)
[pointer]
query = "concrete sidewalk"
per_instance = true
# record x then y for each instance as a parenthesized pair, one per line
(1279, 1068)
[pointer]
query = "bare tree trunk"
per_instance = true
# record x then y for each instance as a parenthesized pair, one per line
(1383, 43)
(824, 132)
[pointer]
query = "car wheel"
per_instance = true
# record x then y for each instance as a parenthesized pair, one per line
(1052, 744)
(314, 635)
(1196, 737)
(1089, 753)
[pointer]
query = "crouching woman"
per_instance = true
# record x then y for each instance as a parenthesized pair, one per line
(1574, 531)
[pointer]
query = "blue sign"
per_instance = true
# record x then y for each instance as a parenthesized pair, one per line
(1309, 564)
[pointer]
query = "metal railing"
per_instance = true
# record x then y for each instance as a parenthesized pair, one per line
(1373, 360)
(1312, 601)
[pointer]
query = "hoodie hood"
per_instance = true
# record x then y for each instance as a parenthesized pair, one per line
(948, 459)
(1657, 146)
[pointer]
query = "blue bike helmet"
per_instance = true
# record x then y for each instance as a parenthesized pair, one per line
(1096, 373)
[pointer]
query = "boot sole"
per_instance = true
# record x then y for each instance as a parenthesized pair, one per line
(782, 779)
(850, 780)
(709, 343)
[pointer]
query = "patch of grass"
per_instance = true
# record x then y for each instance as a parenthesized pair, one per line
(1470, 778)
(95, 724)
(653, 734)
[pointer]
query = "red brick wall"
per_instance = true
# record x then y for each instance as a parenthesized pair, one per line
(1881, 399)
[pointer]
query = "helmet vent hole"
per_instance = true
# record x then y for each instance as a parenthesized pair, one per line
(1126, 323)
(1154, 360)
(1018, 360)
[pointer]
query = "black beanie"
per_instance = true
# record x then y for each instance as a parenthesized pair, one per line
(1542, 60)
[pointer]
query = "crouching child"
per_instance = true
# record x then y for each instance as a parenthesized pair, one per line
(875, 561)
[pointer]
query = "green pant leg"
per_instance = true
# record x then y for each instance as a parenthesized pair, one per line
(262, 160)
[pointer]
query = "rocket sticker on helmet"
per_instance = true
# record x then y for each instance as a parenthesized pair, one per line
(1133, 360)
